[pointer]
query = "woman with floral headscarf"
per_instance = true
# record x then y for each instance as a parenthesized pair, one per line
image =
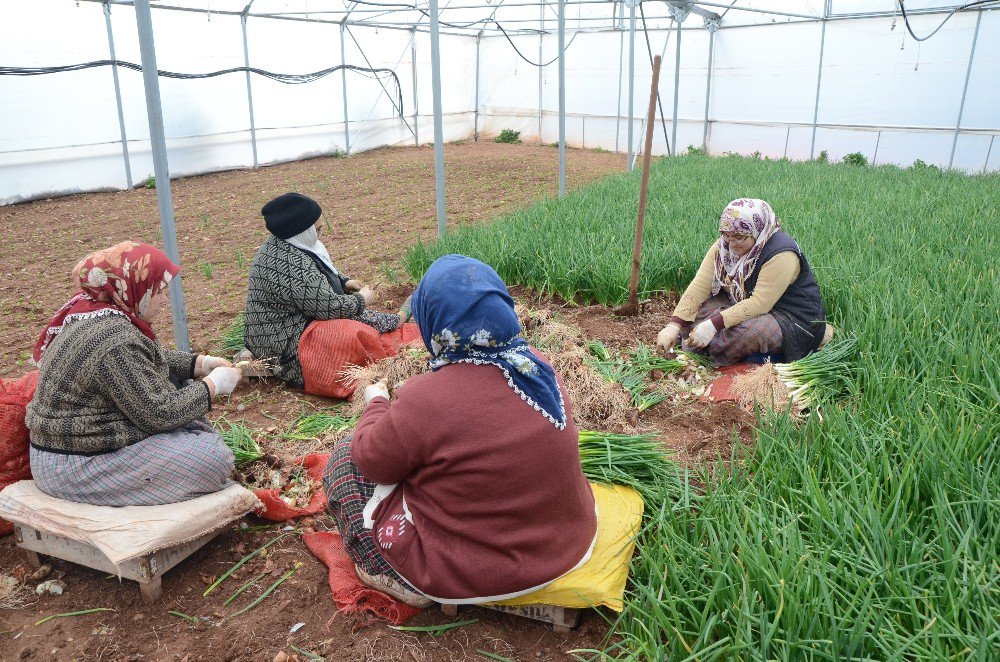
(467, 487)
(754, 294)
(110, 424)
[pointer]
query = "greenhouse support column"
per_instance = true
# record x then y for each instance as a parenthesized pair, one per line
(819, 80)
(965, 89)
(475, 125)
(672, 147)
(343, 81)
(438, 131)
(989, 150)
(151, 83)
(631, 78)
(541, 69)
(118, 95)
(712, 25)
(416, 97)
(246, 63)
(562, 98)
(621, 53)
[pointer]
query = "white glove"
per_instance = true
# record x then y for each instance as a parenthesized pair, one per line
(352, 286)
(224, 379)
(668, 336)
(702, 335)
(367, 294)
(376, 390)
(210, 363)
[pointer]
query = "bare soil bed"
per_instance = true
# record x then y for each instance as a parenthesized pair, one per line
(377, 204)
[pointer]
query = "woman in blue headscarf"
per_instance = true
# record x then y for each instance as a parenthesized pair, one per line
(467, 487)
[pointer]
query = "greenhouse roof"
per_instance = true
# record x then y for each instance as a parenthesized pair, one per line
(497, 17)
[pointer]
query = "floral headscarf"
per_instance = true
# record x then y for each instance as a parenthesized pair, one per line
(744, 216)
(466, 315)
(120, 280)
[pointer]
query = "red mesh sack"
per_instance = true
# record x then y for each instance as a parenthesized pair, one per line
(15, 394)
(277, 510)
(328, 346)
(349, 594)
(722, 388)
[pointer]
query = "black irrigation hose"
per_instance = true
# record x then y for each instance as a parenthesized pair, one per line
(906, 19)
(287, 79)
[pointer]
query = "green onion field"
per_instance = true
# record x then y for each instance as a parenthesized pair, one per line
(874, 534)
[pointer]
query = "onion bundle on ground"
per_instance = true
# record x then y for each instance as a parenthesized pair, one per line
(240, 440)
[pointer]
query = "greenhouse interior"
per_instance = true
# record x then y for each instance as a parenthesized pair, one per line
(285, 223)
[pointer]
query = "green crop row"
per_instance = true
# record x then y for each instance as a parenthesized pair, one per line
(874, 534)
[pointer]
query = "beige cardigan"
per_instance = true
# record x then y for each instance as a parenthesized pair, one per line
(775, 276)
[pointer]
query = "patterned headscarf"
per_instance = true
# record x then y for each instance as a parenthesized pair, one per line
(743, 216)
(120, 280)
(466, 315)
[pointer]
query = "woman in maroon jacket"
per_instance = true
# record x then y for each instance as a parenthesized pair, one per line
(467, 488)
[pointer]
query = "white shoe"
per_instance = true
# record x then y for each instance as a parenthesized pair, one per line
(392, 588)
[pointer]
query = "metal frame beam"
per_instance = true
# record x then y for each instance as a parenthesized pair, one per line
(161, 171)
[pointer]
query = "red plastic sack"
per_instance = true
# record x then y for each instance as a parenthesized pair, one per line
(15, 394)
(349, 594)
(328, 346)
(277, 510)
(721, 389)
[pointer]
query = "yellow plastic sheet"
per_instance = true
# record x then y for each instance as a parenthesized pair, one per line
(601, 580)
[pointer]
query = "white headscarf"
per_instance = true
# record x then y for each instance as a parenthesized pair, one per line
(308, 240)
(751, 217)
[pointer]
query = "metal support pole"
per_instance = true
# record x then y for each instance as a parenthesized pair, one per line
(788, 133)
(475, 125)
(541, 69)
(562, 98)
(989, 151)
(631, 80)
(118, 95)
(246, 63)
(712, 26)
(965, 89)
(672, 147)
(343, 80)
(621, 52)
(878, 139)
(416, 97)
(819, 80)
(158, 142)
(438, 131)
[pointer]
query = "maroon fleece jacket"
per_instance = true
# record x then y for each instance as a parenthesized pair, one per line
(497, 497)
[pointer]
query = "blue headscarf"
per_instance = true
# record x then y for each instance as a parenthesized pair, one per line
(466, 315)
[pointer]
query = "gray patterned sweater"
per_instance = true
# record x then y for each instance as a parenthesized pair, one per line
(103, 385)
(286, 291)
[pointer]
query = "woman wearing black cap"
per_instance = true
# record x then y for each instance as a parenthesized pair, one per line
(293, 282)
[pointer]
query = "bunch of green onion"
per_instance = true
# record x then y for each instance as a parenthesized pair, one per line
(638, 461)
(822, 376)
(314, 425)
(232, 338)
(240, 440)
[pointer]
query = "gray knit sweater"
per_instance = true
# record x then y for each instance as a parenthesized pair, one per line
(286, 291)
(103, 385)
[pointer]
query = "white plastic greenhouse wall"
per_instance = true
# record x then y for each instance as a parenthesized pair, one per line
(876, 91)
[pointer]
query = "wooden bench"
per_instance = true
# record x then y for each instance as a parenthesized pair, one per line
(148, 570)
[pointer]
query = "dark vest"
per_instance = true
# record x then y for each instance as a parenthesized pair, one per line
(799, 311)
(336, 281)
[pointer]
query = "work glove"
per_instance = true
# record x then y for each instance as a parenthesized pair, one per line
(668, 336)
(406, 311)
(376, 390)
(367, 294)
(702, 335)
(224, 379)
(210, 363)
(352, 286)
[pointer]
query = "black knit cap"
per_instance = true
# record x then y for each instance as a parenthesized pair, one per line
(289, 214)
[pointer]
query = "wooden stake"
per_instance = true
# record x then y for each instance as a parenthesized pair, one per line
(632, 307)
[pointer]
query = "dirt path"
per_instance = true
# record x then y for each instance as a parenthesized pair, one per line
(377, 203)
